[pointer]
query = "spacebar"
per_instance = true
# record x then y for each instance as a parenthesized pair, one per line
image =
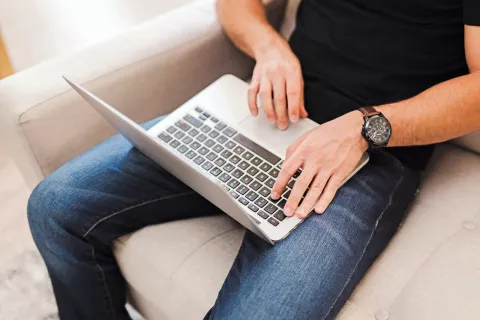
(262, 152)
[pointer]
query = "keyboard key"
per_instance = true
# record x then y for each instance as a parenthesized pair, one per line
(252, 171)
(220, 126)
(222, 139)
(199, 160)
(234, 194)
(171, 129)
(253, 207)
(179, 135)
(195, 145)
(174, 143)
(256, 161)
(165, 137)
(282, 203)
(287, 194)
(261, 176)
(280, 164)
(251, 196)
(215, 171)
(229, 132)
(226, 154)
(297, 173)
(230, 144)
(261, 202)
(218, 148)
(291, 184)
(246, 179)
(255, 185)
(233, 183)
(209, 143)
(242, 189)
(220, 162)
(235, 159)
(203, 151)
(206, 115)
(224, 177)
(270, 182)
(265, 167)
(274, 172)
(265, 191)
(273, 200)
(270, 208)
(207, 165)
(243, 165)
(187, 140)
(182, 125)
(205, 128)
(273, 222)
(193, 121)
(243, 201)
(238, 150)
(201, 137)
(198, 109)
(214, 119)
(280, 215)
(228, 167)
(203, 118)
(252, 146)
(182, 149)
(211, 156)
(262, 214)
(237, 173)
(247, 155)
(190, 154)
(213, 134)
(193, 132)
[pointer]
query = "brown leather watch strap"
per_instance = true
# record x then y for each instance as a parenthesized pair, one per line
(368, 111)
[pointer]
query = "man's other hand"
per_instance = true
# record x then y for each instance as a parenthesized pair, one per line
(327, 155)
(277, 80)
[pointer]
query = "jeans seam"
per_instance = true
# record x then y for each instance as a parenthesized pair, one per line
(104, 280)
(364, 248)
(132, 207)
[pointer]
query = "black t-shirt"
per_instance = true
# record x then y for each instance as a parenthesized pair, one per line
(369, 52)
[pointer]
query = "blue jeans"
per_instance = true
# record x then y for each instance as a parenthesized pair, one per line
(113, 189)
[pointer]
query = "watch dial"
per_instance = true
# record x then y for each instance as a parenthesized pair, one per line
(378, 130)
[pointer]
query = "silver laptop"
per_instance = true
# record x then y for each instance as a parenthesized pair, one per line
(217, 148)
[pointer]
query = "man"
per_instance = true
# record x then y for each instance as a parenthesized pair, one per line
(417, 62)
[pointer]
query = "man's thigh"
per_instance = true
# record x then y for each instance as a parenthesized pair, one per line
(114, 189)
(311, 273)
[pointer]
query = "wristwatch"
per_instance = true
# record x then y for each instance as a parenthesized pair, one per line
(376, 129)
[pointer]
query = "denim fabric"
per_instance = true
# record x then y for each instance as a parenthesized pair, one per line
(113, 189)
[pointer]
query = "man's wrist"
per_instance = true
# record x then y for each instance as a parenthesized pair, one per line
(270, 41)
(357, 124)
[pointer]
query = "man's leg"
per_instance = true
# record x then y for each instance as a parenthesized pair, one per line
(311, 273)
(77, 212)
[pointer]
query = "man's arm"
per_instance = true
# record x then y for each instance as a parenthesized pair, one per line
(277, 73)
(443, 112)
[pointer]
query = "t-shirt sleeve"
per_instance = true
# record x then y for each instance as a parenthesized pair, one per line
(471, 12)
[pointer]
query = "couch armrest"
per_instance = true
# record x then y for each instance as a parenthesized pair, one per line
(145, 72)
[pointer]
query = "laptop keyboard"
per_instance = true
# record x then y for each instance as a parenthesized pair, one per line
(245, 168)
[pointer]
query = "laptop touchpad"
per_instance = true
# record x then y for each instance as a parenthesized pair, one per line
(259, 129)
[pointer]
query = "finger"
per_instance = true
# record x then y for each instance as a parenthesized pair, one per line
(288, 169)
(293, 97)
(252, 96)
(280, 102)
(265, 94)
(303, 111)
(301, 185)
(328, 193)
(313, 194)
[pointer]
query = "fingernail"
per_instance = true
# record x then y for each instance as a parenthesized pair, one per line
(294, 118)
(282, 126)
(300, 213)
(288, 211)
(319, 210)
(274, 195)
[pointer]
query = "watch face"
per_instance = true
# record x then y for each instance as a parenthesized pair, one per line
(378, 129)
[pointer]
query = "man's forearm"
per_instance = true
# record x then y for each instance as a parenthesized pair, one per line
(246, 24)
(443, 112)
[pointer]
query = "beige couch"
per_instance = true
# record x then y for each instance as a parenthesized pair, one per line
(431, 269)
